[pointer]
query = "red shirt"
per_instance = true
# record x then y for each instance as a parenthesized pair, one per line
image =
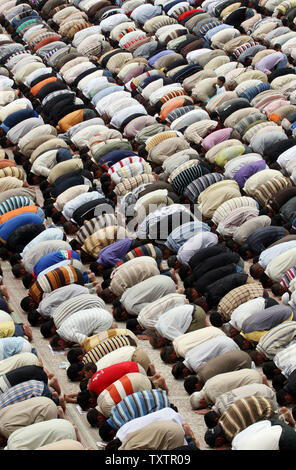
(105, 377)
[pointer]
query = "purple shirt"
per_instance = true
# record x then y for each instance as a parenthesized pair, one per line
(114, 252)
(216, 137)
(246, 171)
(267, 63)
(154, 58)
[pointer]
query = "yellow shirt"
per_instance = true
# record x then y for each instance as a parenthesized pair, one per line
(7, 329)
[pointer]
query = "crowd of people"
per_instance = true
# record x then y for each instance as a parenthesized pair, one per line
(148, 192)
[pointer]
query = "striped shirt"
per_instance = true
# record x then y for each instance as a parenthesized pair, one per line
(132, 272)
(15, 202)
(181, 234)
(277, 339)
(243, 413)
(73, 305)
(183, 179)
(56, 278)
(288, 277)
(85, 323)
(238, 296)
(128, 184)
(197, 186)
(228, 206)
(285, 359)
(267, 190)
(95, 224)
(149, 315)
(103, 237)
(136, 405)
(93, 341)
(126, 385)
(131, 170)
(23, 391)
(144, 250)
(107, 346)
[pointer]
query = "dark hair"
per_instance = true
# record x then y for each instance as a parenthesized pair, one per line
(91, 366)
(114, 445)
(172, 261)
(178, 369)
(45, 328)
(93, 267)
(83, 384)
(183, 272)
(222, 79)
(48, 208)
(275, 288)
(83, 398)
(216, 319)
(4, 253)
(54, 341)
(106, 432)
(268, 369)
(27, 279)
(92, 416)
(30, 177)
(211, 419)
(73, 371)
(67, 226)
(56, 217)
(33, 317)
(132, 324)
(190, 384)
(16, 270)
(74, 244)
(14, 259)
(278, 382)
(294, 412)
(44, 185)
(281, 397)
(25, 303)
(73, 355)
(165, 353)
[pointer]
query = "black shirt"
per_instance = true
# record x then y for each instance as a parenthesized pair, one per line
(25, 373)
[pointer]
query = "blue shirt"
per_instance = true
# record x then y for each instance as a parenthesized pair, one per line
(181, 234)
(11, 225)
(53, 258)
(15, 118)
(246, 171)
(46, 235)
(114, 252)
(113, 157)
(10, 346)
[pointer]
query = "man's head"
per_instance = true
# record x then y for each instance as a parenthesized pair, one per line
(69, 227)
(277, 47)
(220, 81)
(59, 219)
(133, 325)
(28, 280)
(33, 180)
(34, 318)
(278, 289)
(18, 270)
(58, 344)
(270, 369)
(284, 398)
(108, 296)
(192, 384)
(95, 418)
(215, 437)
(106, 432)
(75, 372)
(256, 271)
(173, 262)
(211, 419)
(75, 355)
(180, 371)
(216, 319)
(28, 304)
(278, 382)
(168, 355)
(166, 252)
(119, 313)
(86, 400)
(96, 268)
(48, 328)
(89, 370)
(157, 341)
(191, 294)
(257, 357)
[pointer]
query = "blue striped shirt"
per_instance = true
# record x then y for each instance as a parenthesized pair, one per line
(23, 391)
(136, 405)
(181, 234)
(15, 202)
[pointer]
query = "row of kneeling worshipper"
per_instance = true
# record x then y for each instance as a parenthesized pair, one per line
(147, 192)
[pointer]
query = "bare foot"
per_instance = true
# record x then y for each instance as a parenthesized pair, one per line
(264, 380)
(287, 415)
(144, 337)
(70, 397)
(152, 369)
(201, 412)
(62, 403)
(4, 291)
(28, 331)
(55, 385)
(98, 289)
(61, 412)
(77, 433)
(161, 383)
